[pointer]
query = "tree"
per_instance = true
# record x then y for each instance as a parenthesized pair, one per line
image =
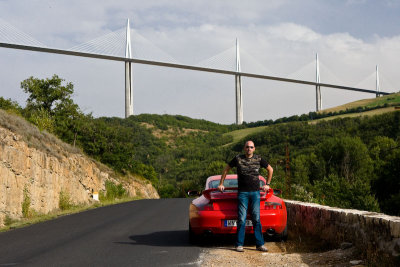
(50, 106)
(47, 93)
(215, 168)
(386, 154)
(346, 157)
(10, 105)
(338, 191)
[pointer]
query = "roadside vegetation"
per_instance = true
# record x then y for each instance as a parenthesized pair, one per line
(351, 162)
(114, 194)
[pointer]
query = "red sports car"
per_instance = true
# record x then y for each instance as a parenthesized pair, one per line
(215, 212)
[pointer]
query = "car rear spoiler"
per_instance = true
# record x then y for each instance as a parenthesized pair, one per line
(231, 192)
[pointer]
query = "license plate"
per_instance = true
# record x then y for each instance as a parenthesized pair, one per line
(233, 223)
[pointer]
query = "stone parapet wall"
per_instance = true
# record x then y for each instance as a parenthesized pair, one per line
(376, 235)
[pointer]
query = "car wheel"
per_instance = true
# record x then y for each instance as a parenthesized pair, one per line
(193, 238)
(284, 235)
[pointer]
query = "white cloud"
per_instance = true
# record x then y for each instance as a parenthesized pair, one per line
(293, 32)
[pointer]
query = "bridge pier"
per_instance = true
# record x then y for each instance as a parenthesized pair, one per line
(239, 107)
(318, 98)
(378, 87)
(238, 88)
(128, 90)
(318, 87)
(128, 75)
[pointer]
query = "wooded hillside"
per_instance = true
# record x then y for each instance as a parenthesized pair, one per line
(345, 162)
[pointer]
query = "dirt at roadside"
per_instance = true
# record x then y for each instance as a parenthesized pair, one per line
(290, 253)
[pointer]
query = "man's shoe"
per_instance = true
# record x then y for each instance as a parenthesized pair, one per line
(239, 249)
(262, 248)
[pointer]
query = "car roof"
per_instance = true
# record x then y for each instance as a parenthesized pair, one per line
(218, 177)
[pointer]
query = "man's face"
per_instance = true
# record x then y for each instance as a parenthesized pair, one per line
(249, 148)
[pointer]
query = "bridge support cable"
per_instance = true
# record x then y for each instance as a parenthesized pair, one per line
(182, 66)
(238, 88)
(10, 34)
(318, 87)
(128, 75)
(110, 47)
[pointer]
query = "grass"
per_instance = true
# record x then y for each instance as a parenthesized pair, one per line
(64, 202)
(393, 99)
(41, 140)
(353, 115)
(113, 191)
(37, 218)
(26, 203)
(240, 134)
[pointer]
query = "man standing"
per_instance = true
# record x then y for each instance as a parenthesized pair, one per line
(248, 166)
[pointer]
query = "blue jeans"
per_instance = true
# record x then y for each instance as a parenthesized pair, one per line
(244, 200)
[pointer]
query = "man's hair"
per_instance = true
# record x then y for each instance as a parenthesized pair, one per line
(249, 141)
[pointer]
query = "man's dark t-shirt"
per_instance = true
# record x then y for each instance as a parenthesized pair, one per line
(248, 171)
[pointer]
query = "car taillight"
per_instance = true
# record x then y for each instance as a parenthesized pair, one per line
(273, 206)
(209, 206)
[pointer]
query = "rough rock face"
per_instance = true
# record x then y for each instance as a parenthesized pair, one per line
(45, 174)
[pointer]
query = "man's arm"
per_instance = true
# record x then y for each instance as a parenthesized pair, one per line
(270, 172)
(221, 186)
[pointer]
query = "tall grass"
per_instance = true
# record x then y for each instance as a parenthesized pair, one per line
(64, 202)
(43, 141)
(113, 191)
(26, 204)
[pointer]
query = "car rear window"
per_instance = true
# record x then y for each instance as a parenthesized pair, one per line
(228, 183)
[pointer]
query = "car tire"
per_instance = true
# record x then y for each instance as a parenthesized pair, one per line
(193, 238)
(284, 235)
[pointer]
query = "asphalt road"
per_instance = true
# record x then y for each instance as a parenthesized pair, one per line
(138, 233)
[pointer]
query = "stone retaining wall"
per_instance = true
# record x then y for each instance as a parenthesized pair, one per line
(375, 234)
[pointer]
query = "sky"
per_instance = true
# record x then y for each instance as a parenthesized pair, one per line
(277, 37)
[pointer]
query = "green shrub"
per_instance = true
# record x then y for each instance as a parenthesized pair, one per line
(10, 105)
(8, 221)
(26, 203)
(64, 202)
(43, 120)
(168, 191)
(301, 194)
(113, 191)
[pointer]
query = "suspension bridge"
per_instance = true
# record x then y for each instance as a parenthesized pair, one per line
(119, 46)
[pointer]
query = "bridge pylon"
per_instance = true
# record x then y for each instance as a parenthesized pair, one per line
(238, 88)
(128, 74)
(318, 87)
(378, 87)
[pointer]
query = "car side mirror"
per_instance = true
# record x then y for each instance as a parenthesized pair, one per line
(277, 192)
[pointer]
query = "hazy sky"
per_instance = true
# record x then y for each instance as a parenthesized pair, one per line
(278, 38)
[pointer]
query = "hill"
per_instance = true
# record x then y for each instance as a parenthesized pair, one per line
(240, 134)
(365, 107)
(372, 112)
(40, 174)
(345, 162)
(388, 100)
